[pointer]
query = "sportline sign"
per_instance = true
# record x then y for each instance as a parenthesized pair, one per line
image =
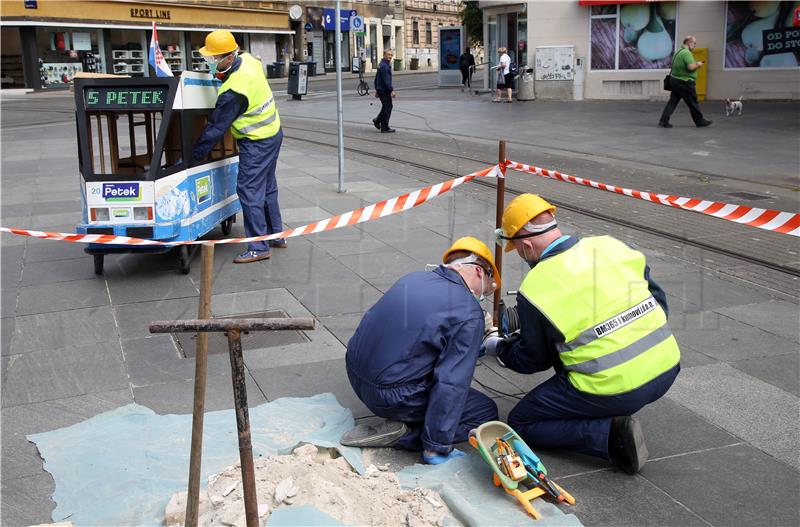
(771, 220)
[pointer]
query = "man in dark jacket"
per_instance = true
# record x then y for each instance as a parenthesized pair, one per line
(465, 63)
(413, 354)
(384, 90)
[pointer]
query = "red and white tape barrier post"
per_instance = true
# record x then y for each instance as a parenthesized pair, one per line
(770, 220)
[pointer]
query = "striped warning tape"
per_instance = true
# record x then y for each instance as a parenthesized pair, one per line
(771, 220)
(371, 212)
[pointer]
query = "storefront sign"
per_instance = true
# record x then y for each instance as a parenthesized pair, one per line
(329, 19)
(31, 4)
(126, 98)
(158, 14)
(784, 40)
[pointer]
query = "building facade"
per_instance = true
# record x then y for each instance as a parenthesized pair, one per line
(623, 50)
(44, 43)
(422, 21)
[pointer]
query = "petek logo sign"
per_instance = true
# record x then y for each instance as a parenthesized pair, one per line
(121, 192)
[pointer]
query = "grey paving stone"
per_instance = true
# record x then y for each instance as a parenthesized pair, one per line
(740, 404)
(491, 383)
(31, 503)
(67, 372)
(737, 485)
(48, 250)
(8, 301)
(6, 332)
(784, 448)
(305, 380)
(708, 291)
(671, 429)
(11, 264)
(155, 360)
(691, 357)
(52, 272)
(617, 499)
(781, 371)
(134, 319)
(63, 296)
(20, 458)
(346, 241)
(381, 269)
(354, 296)
(778, 317)
(61, 329)
(144, 287)
(524, 382)
(726, 339)
(504, 406)
(178, 397)
(342, 326)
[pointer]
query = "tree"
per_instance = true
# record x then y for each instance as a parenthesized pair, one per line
(472, 20)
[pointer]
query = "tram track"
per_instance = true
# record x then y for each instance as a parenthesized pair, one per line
(745, 258)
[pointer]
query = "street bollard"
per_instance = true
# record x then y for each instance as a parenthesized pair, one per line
(234, 328)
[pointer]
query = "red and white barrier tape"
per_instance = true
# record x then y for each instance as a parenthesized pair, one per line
(771, 220)
(371, 212)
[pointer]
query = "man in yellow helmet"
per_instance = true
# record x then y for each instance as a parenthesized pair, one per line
(413, 354)
(245, 105)
(589, 309)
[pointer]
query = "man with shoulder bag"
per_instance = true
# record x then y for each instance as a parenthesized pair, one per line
(681, 83)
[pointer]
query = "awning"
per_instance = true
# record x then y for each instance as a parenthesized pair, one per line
(113, 25)
(615, 2)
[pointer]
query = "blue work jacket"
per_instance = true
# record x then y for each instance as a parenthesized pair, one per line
(427, 329)
(230, 105)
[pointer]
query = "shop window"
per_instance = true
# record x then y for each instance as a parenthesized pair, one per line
(428, 33)
(632, 36)
(761, 35)
(415, 32)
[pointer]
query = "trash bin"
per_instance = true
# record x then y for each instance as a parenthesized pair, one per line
(398, 64)
(312, 68)
(298, 80)
(271, 71)
(415, 63)
(278, 68)
(525, 85)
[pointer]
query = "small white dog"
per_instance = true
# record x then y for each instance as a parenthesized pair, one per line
(732, 106)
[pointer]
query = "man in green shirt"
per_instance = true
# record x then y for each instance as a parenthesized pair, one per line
(682, 84)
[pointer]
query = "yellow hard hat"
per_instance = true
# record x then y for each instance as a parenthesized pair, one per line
(520, 211)
(478, 248)
(219, 42)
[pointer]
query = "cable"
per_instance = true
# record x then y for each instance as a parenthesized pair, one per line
(495, 390)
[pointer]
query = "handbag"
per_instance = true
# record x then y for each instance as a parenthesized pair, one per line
(667, 87)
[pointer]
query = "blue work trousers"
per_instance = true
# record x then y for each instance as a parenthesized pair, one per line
(258, 189)
(556, 415)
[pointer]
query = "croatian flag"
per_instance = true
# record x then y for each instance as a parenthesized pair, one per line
(157, 58)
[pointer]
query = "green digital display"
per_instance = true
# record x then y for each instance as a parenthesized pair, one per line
(126, 98)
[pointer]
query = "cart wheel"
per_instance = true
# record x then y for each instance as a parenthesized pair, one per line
(98, 264)
(227, 225)
(184, 259)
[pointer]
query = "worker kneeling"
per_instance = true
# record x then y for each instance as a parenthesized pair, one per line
(412, 356)
(589, 309)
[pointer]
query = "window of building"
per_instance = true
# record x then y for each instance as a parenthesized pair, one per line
(632, 36)
(428, 33)
(415, 32)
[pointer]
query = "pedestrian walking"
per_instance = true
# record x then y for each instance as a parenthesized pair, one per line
(245, 105)
(384, 90)
(465, 63)
(589, 309)
(682, 80)
(412, 357)
(505, 81)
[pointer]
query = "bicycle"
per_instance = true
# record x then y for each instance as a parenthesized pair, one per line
(363, 87)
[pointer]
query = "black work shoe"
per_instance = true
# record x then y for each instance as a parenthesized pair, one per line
(387, 130)
(384, 434)
(664, 125)
(626, 444)
(704, 123)
(377, 123)
(279, 243)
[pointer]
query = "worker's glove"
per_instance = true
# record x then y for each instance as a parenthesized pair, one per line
(435, 458)
(491, 344)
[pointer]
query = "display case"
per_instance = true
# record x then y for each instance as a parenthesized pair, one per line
(198, 62)
(131, 62)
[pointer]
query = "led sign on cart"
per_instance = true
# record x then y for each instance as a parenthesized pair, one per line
(126, 98)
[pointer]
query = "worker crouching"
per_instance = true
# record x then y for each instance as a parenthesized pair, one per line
(589, 309)
(412, 357)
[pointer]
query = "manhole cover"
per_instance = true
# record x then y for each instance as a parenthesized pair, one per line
(218, 342)
(746, 195)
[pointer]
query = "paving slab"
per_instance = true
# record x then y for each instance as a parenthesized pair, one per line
(707, 291)
(778, 317)
(304, 380)
(617, 499)
(381, 269)
(155, 360)
(133, 320)
(52, 272)
(342, 326)
(67, 372)
(48, 298)
(144, 287)
(61, 329)
(782, 371)
(48, 250)
(31, 504)
(738, 485)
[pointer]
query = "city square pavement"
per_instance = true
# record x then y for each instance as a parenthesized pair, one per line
(723, 443)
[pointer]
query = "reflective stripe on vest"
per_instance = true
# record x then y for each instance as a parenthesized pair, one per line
(261, 119)
(616, 336)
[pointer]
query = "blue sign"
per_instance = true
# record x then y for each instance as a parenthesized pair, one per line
(121, 192)
(308, 26)
(357, 24)
(329, 19)
(31, 4)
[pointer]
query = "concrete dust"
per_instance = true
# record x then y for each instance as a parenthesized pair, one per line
(314, 477)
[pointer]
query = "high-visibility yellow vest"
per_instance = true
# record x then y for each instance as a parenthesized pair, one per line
(261, 120)
(616, 336)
